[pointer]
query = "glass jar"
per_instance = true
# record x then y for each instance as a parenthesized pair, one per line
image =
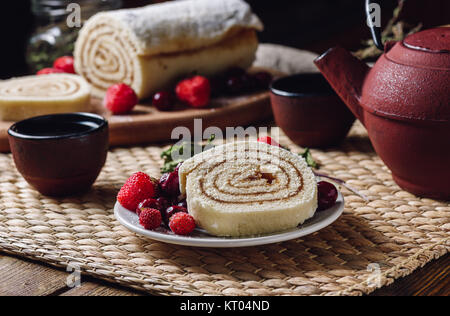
(53, 37)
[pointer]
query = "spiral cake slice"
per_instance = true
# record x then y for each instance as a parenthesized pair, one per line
(247, 189)
(25, 97)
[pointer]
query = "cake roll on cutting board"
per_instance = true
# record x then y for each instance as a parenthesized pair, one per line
(25, 97)
(149, 48)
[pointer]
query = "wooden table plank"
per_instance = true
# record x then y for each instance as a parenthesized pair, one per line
(96, 289)
(431, 280)
(21, 277)
(24, 278)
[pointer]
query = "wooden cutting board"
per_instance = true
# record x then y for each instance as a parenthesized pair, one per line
(147, 125)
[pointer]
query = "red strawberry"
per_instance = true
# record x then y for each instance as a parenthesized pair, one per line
(65, 64)
(268, 140)
(150, 218)
(171, 211)
(138, 188)
(195, 92)
(48, 71)
(120, 99)
(182, 224)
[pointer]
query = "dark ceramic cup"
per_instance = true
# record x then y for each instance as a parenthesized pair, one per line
(309, 112)
(61, 154)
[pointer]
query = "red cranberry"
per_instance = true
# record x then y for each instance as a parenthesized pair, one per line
(250, 83)
(171, 211)
(218, 86)
(183, 203)
(170, 185)
(262, 79)
(149, 203)
(164, 203)
(328, 195)
(235, 85)
(164, 101)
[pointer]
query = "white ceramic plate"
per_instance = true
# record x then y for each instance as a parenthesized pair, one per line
(202, 239)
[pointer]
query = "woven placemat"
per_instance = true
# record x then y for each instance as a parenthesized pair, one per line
(373, 243)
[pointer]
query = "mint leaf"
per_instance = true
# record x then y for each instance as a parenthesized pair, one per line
(309, 159)
(179, 150)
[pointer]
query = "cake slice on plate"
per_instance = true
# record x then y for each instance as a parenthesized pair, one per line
(248, 188)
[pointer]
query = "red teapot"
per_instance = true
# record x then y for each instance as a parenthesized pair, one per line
(404, 102)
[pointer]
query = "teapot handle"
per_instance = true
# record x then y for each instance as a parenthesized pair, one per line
(375, 30)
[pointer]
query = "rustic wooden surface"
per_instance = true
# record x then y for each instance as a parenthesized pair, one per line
(146, 124)
(26, 278)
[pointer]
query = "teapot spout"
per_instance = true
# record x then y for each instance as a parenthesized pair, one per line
(346, 75)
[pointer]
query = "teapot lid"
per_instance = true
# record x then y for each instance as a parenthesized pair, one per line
(429, 49)
(411, 81)
(434, 40)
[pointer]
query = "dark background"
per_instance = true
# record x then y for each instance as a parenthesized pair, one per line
(309, 24)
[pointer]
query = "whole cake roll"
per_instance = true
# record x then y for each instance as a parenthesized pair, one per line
(248, 188)
(25, 97)
(150, 47)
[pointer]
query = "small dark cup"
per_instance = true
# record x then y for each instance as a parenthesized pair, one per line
(309, 112)
(61, 154)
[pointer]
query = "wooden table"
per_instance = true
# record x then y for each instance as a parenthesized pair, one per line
(19, 277)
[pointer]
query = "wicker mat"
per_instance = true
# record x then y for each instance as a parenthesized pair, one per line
(373, 243)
